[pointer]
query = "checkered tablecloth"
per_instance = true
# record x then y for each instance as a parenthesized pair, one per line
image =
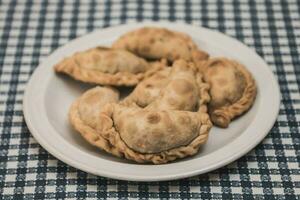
(30, 30)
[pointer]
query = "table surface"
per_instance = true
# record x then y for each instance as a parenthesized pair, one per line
(30, 30)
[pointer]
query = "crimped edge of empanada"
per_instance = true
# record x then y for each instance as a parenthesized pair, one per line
(222, 116)
(71, 68)
(112, 135)
(88, 133)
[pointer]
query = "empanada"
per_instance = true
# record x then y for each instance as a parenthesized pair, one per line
(84, 114)
(107, 66)
(157, 43)
(232, 89)
(156, 136)
(173, 125)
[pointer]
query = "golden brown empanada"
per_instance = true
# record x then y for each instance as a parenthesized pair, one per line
(84, 116)
(232, 89)
(157, 43)
(157, 136)
(107, 66)
(173, 125)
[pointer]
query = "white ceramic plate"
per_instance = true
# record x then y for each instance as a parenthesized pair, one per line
(48, 97)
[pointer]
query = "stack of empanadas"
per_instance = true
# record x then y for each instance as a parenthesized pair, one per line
(179, 91)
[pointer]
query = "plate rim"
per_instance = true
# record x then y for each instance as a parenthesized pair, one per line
(60, 156)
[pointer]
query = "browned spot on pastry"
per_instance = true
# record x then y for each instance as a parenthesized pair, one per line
(148, 85)
(181, 106)
(183, 86)
(145, 49)
(153, 118)
(152, 40)
(176, 56)
(161, 39)
(100, 48)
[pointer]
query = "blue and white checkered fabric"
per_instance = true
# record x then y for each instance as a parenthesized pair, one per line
(30, 30)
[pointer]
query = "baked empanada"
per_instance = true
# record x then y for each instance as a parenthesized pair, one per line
(232, 89)
(84, 116)
(107, 66)
(157, 43)
(173, 125)
(157, 136)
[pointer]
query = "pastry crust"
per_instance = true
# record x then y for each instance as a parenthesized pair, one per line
(84, 112)
(157, 43)
(107, 66)
(232, 89)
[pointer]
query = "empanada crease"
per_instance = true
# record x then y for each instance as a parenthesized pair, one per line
(232, 89)
(158, 43)
(106, 66)
(84, 116)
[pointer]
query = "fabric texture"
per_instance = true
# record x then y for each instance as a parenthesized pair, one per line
(30, 30)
